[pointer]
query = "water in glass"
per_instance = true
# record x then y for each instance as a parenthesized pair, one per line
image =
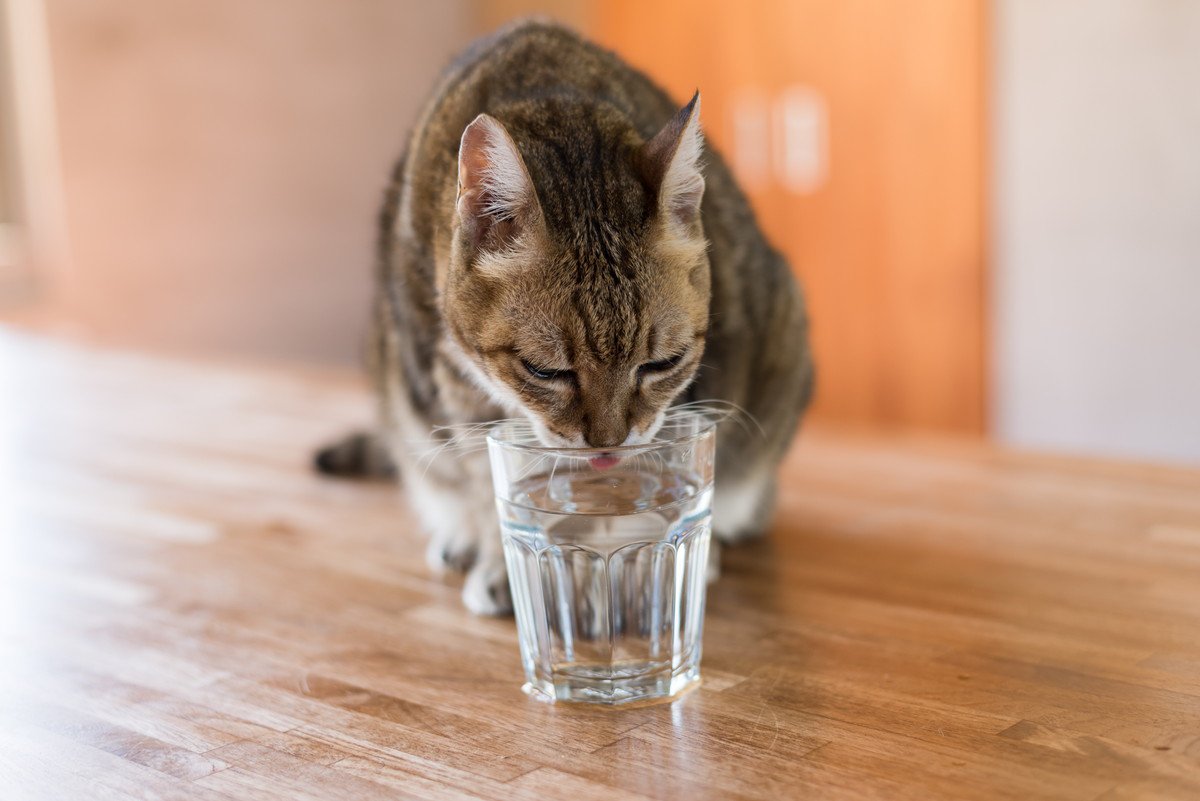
(606, 561)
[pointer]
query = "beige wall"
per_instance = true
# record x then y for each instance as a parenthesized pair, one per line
(31, 218)
(1097, 276)
(223, 160)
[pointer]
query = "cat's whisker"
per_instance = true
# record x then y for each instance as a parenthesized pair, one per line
(461, 430)
(460, 445)
(465, 439)
(533, 467)
(721, 410)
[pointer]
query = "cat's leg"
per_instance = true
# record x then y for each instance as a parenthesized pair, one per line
(712, 570)
(446, 516)
(465, 535)
(454, 499)
(742, 510)
(486, 589)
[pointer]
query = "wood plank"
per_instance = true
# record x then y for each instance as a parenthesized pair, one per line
(187, 612)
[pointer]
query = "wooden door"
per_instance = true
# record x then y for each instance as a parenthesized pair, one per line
(857, 128)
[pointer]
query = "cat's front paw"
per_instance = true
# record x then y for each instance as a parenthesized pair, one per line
(454, 553)
(486, 589)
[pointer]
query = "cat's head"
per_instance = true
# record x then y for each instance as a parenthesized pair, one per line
(578, 286)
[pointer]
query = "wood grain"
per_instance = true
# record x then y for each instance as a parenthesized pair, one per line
(186, 611)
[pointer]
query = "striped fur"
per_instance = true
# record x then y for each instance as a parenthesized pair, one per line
(591, 259)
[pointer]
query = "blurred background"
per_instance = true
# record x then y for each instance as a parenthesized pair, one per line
(994, 206)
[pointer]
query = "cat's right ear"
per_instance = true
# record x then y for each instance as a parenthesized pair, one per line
(496, 200)
(670, 164)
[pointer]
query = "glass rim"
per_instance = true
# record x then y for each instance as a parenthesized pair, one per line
(707, 427)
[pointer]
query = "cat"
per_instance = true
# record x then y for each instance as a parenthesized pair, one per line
(556, 244)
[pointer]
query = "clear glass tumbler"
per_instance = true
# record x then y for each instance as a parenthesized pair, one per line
(607, 552)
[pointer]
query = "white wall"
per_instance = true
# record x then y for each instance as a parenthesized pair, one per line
(1097, 226)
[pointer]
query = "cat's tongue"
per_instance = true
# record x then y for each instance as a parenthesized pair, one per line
(604, 461)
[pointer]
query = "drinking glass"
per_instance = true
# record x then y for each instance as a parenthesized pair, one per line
(607, 551)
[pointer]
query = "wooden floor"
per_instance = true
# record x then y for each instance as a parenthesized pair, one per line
(187, 612)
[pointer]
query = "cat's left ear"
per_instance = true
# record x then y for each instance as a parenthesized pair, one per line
(671, 165)
(496, 199)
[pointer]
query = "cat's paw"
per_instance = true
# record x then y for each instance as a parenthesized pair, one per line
(486, 589)
(454, 553)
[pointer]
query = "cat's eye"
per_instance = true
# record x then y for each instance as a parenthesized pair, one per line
(543, 374)
(661, 366)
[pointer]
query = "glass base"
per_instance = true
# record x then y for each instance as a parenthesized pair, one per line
(612, 685)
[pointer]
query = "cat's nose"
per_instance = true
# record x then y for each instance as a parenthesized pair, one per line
(606, 434)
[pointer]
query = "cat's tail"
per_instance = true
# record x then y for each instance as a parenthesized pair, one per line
(361, 454)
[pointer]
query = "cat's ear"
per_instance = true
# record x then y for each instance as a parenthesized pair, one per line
(671, 165)
(495, 193)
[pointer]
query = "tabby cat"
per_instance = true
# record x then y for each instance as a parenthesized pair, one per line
(554, 244)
